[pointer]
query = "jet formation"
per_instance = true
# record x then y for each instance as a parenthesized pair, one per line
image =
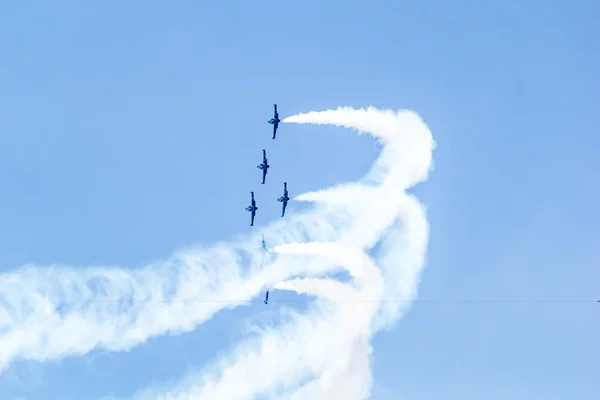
(264, 167)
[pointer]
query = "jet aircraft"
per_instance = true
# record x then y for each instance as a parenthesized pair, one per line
(267, 297)
(284, 199)
(264, 244)
(264, 166)
(275, 120)
(265, 250)
(252, 208)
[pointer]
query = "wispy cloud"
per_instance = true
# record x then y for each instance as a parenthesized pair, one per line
(52, 312)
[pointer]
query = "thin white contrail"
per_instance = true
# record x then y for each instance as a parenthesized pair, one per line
(52, 312)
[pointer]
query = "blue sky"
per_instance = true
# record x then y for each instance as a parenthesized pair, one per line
(132, 130)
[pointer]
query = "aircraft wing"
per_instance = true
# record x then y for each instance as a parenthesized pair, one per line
(275, 125)
(252, 218)
(264, 175)
(284, 207)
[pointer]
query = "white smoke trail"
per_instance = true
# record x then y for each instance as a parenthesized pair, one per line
(379, 203)
(348, 374)
(313, 353)
(374, 210)
(53, 312)
(48, 313)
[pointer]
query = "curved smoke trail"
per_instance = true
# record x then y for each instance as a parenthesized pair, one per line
(49, 313)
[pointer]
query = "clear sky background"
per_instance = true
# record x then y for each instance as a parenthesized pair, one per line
(131, 129)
